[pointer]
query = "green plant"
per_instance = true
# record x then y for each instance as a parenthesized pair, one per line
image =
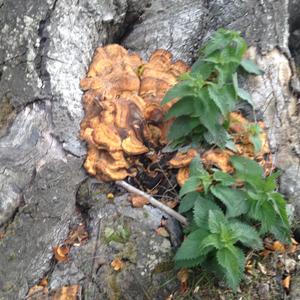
(208, 93)
(227, 212)
(232, 210)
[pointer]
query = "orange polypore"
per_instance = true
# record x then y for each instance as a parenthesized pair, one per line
(123, 117)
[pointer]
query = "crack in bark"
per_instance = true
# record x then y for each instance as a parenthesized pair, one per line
(39, 59)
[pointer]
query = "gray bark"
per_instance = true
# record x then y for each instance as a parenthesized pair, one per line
(45, 49)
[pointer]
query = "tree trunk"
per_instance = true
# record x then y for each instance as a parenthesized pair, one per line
(45, 49)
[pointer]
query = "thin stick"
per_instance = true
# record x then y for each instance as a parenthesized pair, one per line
(153, 201)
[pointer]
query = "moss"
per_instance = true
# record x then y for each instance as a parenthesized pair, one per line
(129, 252)
(163, 266)
(119, 234)
(146, 215)
(12, 257)
(8, 286)
(115, 292)
(298, 70)
(6, 110)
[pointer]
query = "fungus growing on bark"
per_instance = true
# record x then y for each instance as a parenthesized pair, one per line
(182, 159)
(123, 117)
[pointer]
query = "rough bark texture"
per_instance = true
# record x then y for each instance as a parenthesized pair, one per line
(45, 47)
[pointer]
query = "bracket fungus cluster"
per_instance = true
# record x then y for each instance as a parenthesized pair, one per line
(123, 116)
(124, 123)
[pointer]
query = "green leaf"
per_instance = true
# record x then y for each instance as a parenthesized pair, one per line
(182, 126)
(256, 142)
(209, 242)
(279, 205)
(180, 90)
(189, 200)
(230, 145)
(217, 42)
(250, 67)
(247, 235)
(209, 115)
(224, 178)
(234, 200)
(182, 107)
(190, 247)
(223, 97)
(232, 260)
(202, 67)
(191, 185)
(220, 140)
(271, 182)
(197, 170)
(196, 167)
(201, 211)
(189, 263)
(241, 45)
(281, 231)
(254, 131)
(216, 220)
(241, 92)
(248, 170)
(263, 211)
(225, 72)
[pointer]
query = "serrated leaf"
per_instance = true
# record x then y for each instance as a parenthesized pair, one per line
(182, 107)
(279, 205)
(217, 42)
(281, 231)
(209, 115)
(220, 140)
(248, 170)
(216, 220)
(241, 45)
(182, 126)
(231, 145)
(224, 178)
(264, 212)
(201, 211)
(188, 201)
(247, 235)
(271, 182)
(181, 89)
(256, 142)
(225, 72)
(223, 97)
(241, 92)
(234, 200)
(212, 241)
(190, 185)
(196, 167)
(250, 67)
(189, 263)
(232, 260)
(202, 67)
(190, 247)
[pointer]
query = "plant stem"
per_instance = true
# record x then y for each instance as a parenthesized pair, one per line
(153, 201)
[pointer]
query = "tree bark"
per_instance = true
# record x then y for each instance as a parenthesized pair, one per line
(45, 49)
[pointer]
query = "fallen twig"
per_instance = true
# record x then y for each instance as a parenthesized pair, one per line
(153, 201)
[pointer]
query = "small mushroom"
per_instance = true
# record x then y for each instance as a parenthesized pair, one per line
(91, 159)
(113, 169)
(183, 175)
(219, 158)
(107, 137)
(183, 159)
(132, 146)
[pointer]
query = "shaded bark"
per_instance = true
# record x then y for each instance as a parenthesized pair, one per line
(45, 49)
